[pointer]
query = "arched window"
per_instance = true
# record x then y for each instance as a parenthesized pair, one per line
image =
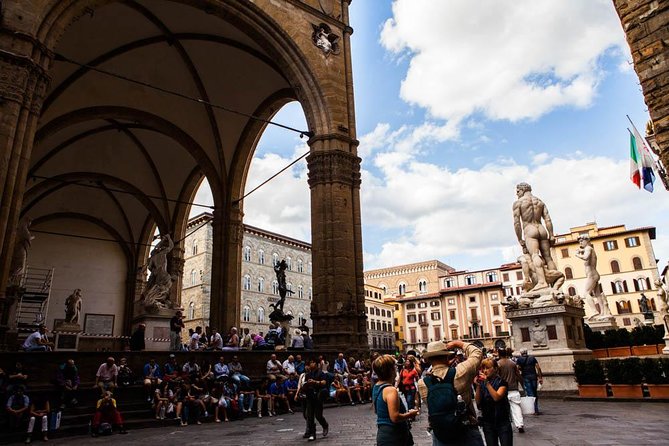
(422, 286)
(275, 287)
(572, 291)
(289, 264)
(275, 259)
(384, 287)
(261, 285)
(191, 310)
(636, 262)
(491, 276)
(246, 282)
(193, 277)
(615, 266)
(194, 247)
(300, 319)
(261, 256)
(310, 293)
(261, 315)
(449, 282)
(623, 307)
(246, 314)
(289, 287)
(246, 254)
(470, 280)
(300, 266)
(640, 284)
(402, 288)
(618, 287)
(568, 273)
(300, 291)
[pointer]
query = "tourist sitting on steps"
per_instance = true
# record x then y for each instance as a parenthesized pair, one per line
(106, 416)
(39, 415)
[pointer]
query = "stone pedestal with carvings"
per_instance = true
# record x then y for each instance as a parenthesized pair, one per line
(157, 337)
(602, 325)
(554, 335)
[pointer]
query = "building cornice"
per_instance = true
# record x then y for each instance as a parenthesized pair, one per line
(410, 268)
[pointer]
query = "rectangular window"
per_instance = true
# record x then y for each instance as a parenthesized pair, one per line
(396, 322)
(436, 316)
(411, 306)
(525, 334)
(505, 277)
(494, 296)
(424, 334)
(472, 299)
(411, 318)
(498, 330)
(552, 332)
(434, 303)
(565, 253)
(422, 318)
(519, 275)
(422, 305)
(495, 310)
(412, 335)
(451, 301)
(610, 245)
(454, 333)
(437, 333)
(627, 322)
(474, 314)
(451, 314)
(631, 242)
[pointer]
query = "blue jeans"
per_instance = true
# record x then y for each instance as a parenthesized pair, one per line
(530, 385)
(410, 396)
(471, 437)
(246, 401)
(238, 378)
(495, 435)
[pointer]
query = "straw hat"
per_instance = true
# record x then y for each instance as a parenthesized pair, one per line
(437, 348)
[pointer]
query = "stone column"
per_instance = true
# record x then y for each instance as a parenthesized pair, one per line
(338, 306)
(645, 25)
(23, 81)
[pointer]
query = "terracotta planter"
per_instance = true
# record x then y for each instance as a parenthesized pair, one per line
(592, 390)
(644, 350)
(658, 390)
(627, 390)
(600, 353)
(619, 352)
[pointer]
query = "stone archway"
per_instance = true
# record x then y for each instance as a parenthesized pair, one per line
(161, 96)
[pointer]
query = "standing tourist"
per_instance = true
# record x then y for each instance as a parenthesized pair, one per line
(532, 376)
(491, 399)
(407, 383)
(176, 324)
(137, 343)
(312, 387)
(448, 393)
(508, 371)
(391, 415)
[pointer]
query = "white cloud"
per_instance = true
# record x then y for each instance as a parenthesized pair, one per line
(509, 60)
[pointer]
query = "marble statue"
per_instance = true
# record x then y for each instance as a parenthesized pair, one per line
(73, 307)
(20, 255)
(539, 334)
(325, 39)
(593, 296)
(156, 295)
(534, 230)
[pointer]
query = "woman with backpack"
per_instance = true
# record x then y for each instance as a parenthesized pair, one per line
(491, 398)
(392, 417)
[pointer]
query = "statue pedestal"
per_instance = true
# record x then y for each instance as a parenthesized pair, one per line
(554, 335)
(602, 325)
(67, 327)
(157, 335)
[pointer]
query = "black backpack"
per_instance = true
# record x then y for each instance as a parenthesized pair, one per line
(446, 415)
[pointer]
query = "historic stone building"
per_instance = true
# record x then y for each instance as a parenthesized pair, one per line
(421, 278)
(625, 261)
(380, 320)
(261, 249)
(646, 25)
(114, 112)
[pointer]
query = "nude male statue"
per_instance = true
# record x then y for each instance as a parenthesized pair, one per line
(586, 252)
(533, 236)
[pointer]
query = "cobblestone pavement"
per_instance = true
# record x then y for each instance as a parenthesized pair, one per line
(562, 423)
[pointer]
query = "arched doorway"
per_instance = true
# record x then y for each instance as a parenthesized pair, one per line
(162, 95)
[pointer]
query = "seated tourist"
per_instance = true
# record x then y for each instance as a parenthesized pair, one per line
(125, 376)
(300, 366)
(232, 343)
(288, 365)
(354, 384)
(67, 381)
(191, 370)
(161, 399)
(221, 371)
(38, 341)
(340, 392)
(290, 387)
(246, 399)
(278, 393)
(262, 394)
(235, 368)
(106, 376)
(246, 342)
(228, 403)
(341, 366)
(192, 406)
(106, 413)
(17, 408)
(215, 341)
(194, 344)
(39, 415)
(273, 367)
(17, 377)
(152, 377)
(171, 370)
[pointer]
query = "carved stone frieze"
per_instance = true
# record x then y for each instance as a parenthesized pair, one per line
(333, 167)
(22, 80)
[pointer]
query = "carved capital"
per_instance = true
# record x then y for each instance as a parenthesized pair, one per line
(334, 166)
(22, 80)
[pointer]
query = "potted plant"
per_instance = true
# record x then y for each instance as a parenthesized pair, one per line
(618, 342)
(656, 375)
(625, 377)
(590, 378)
(644, 341)
(594, 340)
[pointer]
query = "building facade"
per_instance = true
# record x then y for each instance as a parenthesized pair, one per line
(626, 265)
(260, 251)
(380, 320)
(419, 278)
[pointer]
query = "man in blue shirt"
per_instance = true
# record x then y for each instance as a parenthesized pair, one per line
(221, 370)
(152, 377)
(278, 392)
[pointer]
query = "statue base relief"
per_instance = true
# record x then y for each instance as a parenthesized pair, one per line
(157, 337)
(602, 323)
(553, 333)
(68, 327)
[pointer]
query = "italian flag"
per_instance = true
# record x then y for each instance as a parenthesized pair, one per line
(635, 176)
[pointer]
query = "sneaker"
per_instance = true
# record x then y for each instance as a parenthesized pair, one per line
(260, 415)
(521, 430)
(217, 420)
(271, 414)
(290, 411)
(199, 422)
(184, 423)
(306, 435)
(325, 431)
(148, 399)
(206, 414)
(312, 438)
(352, 403)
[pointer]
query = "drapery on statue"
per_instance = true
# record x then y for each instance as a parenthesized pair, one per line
(20, 255)
(73, 307)
(586, 252)
(277, 314)
(156, 295)
(542, 277)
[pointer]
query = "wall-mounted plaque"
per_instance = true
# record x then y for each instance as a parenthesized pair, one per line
(100, 324)
(66, 342)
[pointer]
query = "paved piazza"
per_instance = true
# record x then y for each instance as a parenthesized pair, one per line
(563, 423)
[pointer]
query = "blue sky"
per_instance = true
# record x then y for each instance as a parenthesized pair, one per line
(456, 102)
